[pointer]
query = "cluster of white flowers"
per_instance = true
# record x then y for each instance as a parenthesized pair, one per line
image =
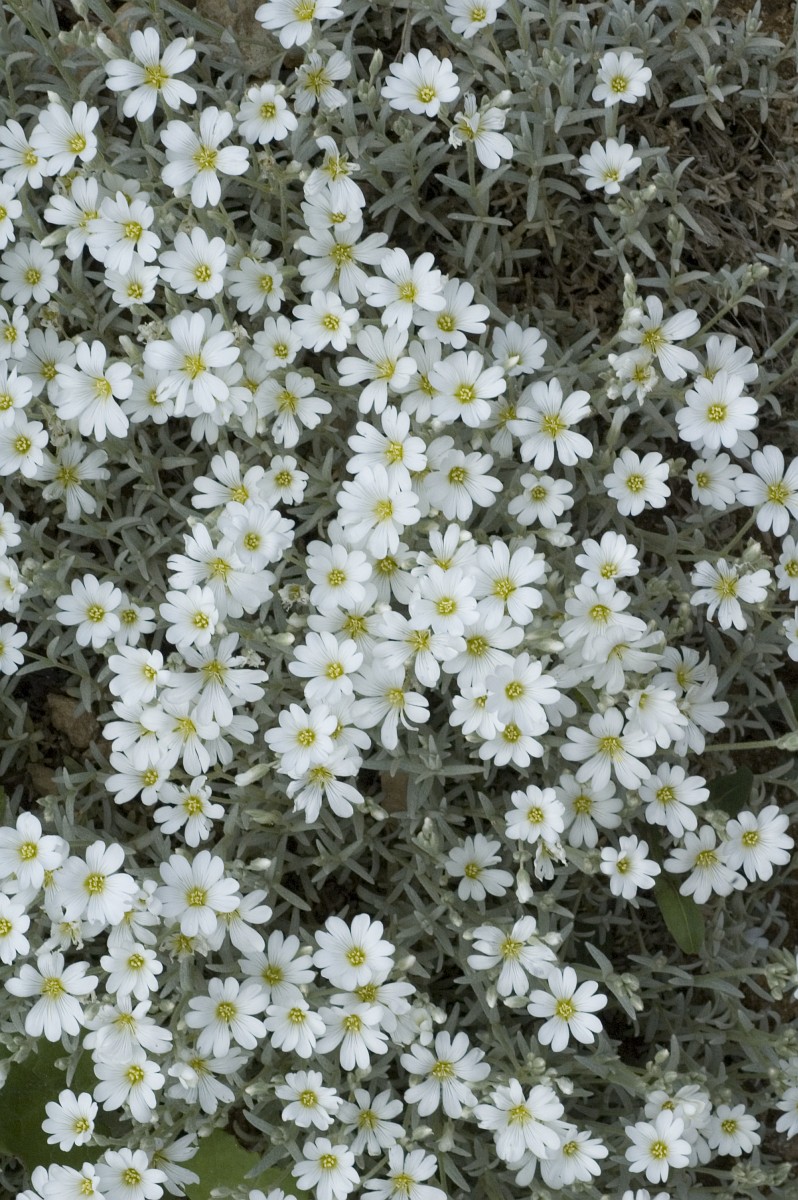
(406, 538)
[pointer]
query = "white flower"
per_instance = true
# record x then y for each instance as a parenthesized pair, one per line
(329, 1170)
(628, 867)
(195, 891)
(469, 16)
(544, 421)
(333, 258)
(131, 1083)
(87, 392)
(328, 665)
(302, 739)
(575, 1159)
(60, 136)
(464, 387)
(447, 1070)
(721, 587)
(190, 363)
(757, 843)
(11, 641)
(773, 490)
(587, 806)
(324, 322)
(192, 616)
(708, 864)
(264, 116)
(732, 1131)
(375, 509)
(620, 76)
(20, 162)
(535, 814)
(278, 969)
(294, 404)
(657, 1147)
(716, 413)
(473, 864)
(132, 970)
(458, 480)
(92, 607)
(226, 1015)
(482, 127)
(458, 318)
(608, 166)
(407, 1170)
(569, 1009)
(127, 1175)
(519, 952)
(196, 264)
(152, 76)
(370, 1116)
(656, 335)
(669, 797)
(544, 499)
(714, 480)
(30, 272)
(14, 923)
(355, 1028)
(636, 482)
(294, 20)
(315, 82)
(28, 854)
(70, 1120)
(608, 748)
(193, 160)
(94, 888)
(787, 567)
(58, 1010)
(311, 1103)
(421, 83)
(351, 955)
(519, 351)
(405, 287)
(522, 1122)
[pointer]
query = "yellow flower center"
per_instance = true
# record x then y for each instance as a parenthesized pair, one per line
(5, 927)
(446, 323)
(619, 84)
(442, 1070)
(750, 838)
(206, 157)
(22, 444)
(706, 858)
(196, 897)
(268, 110)
(155, 77)
(778, 493)
(658, 1150)
(716, 413)
(553, 425)
(193, 366)
(537, 493)
(635, 483)
(426, 93)
(52, 987)
(611, 746)
(133, 231)
(77, 143)
(331, 322)
(472, 870)
(203, 273)
(225, 1011)
(477, 646)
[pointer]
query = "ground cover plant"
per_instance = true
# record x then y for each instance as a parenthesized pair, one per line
(399, 590)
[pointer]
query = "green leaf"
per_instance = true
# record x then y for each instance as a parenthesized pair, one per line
(222, 1162)
(731, 793)
(681, 915)
(28, 1088)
